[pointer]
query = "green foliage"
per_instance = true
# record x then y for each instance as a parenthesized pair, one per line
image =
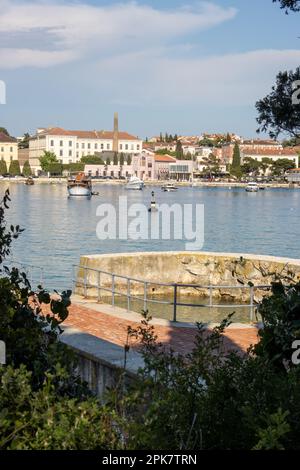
(4, 131)
(129, 159)
(236, 162)
(55, 169)
(293, 5)
(3, 167)
(277, 429)
(107, 163)
(43, 403)
(27, 169)
(165, 152)
(43, 420)
(179, 150)
(251, 165)
(115, 160)
(121, 159)
(14, 168)
(281, 317)
(92, 160)
(212, 165)
(73, 167)
(24, 144)
(277, 112)
(47, 159)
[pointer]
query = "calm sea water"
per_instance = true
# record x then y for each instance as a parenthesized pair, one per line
(60, 229)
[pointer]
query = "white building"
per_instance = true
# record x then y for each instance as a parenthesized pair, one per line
(70, 146)
(274, 154)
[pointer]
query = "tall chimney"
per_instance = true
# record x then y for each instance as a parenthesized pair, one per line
(116, 133)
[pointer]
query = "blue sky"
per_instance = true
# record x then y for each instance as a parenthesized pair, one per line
(175, 66)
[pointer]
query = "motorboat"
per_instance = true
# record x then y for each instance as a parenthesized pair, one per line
(29, 181)
(169, 187)
(135, 183)
(80, 185)
(252, 187)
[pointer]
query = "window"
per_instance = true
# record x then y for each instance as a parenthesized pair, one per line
(70, 153)
(61, 143)
(2, 149)
(132, 147)
(52, 143)
(126, 146)
(89, 146)
(102, 146)
(60, 153)
(138, 147)
(108, 146)
(77, 145)
(149, 165)
(96, 146)
(70, 143)
(82, 145)
(70, 161)
(121, 146)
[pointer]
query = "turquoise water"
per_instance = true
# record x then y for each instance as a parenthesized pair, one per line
(59, 229)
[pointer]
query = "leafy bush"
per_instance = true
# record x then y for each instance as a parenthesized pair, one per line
(27, 169)
(43, 420)
(14, 168)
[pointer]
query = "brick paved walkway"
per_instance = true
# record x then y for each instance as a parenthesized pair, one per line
(114, 329)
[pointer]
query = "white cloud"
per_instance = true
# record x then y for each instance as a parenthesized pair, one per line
(102, 30)
(232, 79)
(16, 58)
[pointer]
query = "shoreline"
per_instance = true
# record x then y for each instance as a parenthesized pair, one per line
(198, 184)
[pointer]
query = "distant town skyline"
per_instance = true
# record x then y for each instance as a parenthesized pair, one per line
(184, 67)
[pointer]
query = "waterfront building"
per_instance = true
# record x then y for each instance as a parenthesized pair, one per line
(162, 166)
(8, 148)
(273, 154)
(294, 176)
(182, 170)
(69, 146)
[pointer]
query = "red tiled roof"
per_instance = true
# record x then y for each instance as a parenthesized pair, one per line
(58, 131)
(6, 138)
(271, 152)
(164, 158)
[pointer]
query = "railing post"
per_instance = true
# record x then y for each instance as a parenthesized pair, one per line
(113, 290)
(210, 296)
(99, 286)
(175, 304)
(128, 294)
(145, 296)
(251, 304)
(85, 283)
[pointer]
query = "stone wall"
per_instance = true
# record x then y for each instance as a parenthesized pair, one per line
(216, 269)
(101, 363)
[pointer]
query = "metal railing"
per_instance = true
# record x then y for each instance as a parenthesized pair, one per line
(34, 274)
(175, 287)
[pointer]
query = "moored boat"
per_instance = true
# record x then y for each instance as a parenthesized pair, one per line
(29, 181)
(80, 186)
(169, 187)
(135, 183)
(252, 188)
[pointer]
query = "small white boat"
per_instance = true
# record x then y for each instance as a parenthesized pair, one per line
(80, 186)
(169, 187)
(252, 188)
(135, 183)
